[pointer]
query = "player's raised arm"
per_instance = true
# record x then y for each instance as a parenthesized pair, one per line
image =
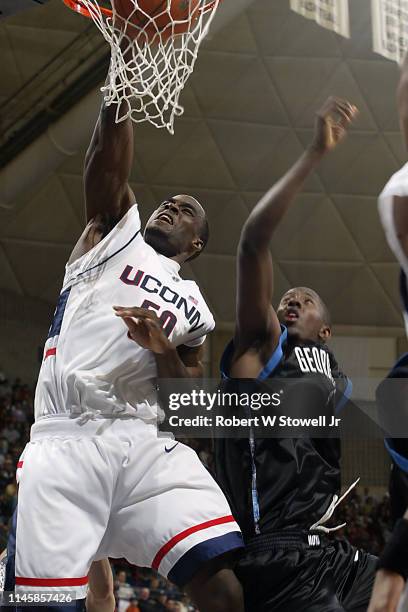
(257, 325)
(108, 163)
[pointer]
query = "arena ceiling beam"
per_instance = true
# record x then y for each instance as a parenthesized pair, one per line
(11, 7)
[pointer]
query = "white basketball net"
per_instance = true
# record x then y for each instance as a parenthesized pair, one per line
(150, 68)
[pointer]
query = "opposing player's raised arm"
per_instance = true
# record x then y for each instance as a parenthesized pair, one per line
(108, 163)
(257, 323)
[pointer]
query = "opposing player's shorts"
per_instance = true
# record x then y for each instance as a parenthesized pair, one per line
(112, 488)
(299, 571)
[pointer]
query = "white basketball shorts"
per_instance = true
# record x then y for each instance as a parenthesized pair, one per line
(112, 488)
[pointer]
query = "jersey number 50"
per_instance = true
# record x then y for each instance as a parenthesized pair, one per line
(167, 319)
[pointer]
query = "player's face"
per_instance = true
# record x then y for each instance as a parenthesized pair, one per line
(301, 311)
(174, 227)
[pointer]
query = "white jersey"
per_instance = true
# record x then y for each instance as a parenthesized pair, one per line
(396, 186)
(90, 365)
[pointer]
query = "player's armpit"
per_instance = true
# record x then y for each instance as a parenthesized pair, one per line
(96, 229)
(400, 214)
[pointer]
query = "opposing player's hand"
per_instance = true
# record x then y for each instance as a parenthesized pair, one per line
(144, 328)
(387, 591)
(332, 122)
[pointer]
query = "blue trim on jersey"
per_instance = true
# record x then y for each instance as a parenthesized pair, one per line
(76, 606)
(110, 256)
(399, 460)
(401, 363)
(185, 568)
(277, 355)
(10, 581)
(256, 511)
(270, 366)
(59, 314)
(346, 395)
(399, 370)
(404, 290)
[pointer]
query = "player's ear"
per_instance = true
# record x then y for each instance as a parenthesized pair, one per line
(197, 245)
(325, 333)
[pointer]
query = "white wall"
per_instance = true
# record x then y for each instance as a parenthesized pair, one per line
(366, 360)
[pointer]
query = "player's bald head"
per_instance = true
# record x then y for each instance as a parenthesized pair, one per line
(305, 314)
(179, 227)
(190, 200)
(325, 313)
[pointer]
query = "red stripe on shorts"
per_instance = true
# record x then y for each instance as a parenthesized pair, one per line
(51, 582)
(51, 351)
(184, 534)
(20, 464)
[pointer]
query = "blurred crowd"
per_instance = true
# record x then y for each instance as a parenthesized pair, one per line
(367, 518)
(16, 416)
(142, 590)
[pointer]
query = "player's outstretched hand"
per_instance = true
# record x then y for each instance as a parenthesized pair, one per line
(332, 122)
(144, 328)
(387, 591)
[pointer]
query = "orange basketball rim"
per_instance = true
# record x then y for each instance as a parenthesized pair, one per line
(78, 7)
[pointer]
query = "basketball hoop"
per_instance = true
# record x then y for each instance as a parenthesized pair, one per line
(78, 7)
(154, 46)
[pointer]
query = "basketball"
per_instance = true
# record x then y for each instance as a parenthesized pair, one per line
(156, 18)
